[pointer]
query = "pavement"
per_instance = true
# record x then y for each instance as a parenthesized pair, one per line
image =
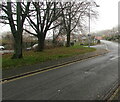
(89, 79)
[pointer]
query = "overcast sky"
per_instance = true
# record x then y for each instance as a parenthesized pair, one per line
(108, 16)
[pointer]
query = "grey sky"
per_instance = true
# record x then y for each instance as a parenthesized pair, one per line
(108, 16)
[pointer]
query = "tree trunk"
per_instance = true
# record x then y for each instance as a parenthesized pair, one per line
(17, 46)
(54, 42)
(41, 40)
(68, 39)
(69, 26)
(54, 38)
(18, 34)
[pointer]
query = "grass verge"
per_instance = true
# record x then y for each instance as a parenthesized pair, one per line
(31, 57)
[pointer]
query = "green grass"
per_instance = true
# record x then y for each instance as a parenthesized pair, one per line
(31, 57)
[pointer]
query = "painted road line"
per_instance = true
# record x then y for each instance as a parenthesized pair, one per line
(106, 47)
(27, 74)
(115, 58)
(6, 81)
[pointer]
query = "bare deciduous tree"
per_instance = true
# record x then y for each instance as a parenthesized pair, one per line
(72, 16)
(14, 15)
(45, 14)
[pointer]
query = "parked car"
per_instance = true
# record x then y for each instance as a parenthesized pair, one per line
(2, 47)
(34, 46)
(31, 48)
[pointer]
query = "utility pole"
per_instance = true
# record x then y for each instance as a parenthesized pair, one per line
(89, 35)
(89, 27)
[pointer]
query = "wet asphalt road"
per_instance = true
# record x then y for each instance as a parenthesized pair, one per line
(86, 80)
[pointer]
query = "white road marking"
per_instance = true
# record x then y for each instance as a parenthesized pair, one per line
(114, 57)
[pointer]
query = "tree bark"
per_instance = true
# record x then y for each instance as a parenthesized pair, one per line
(41, 40)
(68, 39)
(69, 28)
(18, 34)
(17, 46)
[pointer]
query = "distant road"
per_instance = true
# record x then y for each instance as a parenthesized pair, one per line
(86, 80)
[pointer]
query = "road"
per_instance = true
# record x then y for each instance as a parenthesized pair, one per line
(86, 80)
